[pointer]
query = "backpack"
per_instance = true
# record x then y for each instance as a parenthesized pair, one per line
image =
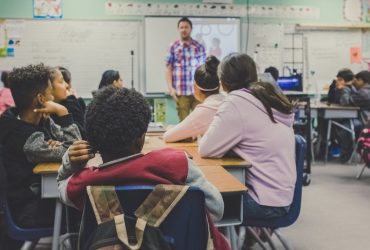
(118, 231)
(363, 147)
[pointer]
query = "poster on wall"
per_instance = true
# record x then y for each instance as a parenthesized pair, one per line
(47, 8)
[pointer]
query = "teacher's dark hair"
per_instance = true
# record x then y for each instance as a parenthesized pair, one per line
(238, 71)
(185, 19)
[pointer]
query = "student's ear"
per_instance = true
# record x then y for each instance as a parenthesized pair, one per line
(140, 142)
(40, 99)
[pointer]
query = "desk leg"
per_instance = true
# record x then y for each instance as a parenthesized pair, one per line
(57, 224)
(327, 141)
(232, 237)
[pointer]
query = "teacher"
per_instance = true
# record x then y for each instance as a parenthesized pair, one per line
(184, 56)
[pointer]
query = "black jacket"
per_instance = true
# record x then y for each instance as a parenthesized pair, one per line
(24, 146)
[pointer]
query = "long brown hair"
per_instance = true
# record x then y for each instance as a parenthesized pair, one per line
(238, 71)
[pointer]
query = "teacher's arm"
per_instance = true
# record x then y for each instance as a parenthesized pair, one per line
(171, 89)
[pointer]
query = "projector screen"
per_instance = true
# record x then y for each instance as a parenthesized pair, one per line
(160, 32)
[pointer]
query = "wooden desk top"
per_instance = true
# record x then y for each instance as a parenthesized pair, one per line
(222, 179)
(156, 142)
(217, 175)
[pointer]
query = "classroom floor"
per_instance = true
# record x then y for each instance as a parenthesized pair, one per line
(335, 211)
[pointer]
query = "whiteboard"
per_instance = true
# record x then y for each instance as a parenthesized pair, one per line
(160, 32)
(265, 44)
(86, 48)
(329, 51)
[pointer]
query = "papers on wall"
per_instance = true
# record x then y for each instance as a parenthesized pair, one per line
(352, 10)
(47, 9)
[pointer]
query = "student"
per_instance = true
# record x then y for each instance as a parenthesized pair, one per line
(111, 77)
(256, 123)
(344, 78)
(30, 137)
(6, 99)
(68, 79)
(116, 123)
(358, 94)
(355, 93)
(274, 72)
(63, 97)
(207, 92)
(274, 76)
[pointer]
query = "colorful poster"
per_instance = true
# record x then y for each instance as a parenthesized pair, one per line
(355, 54)
(47, 9)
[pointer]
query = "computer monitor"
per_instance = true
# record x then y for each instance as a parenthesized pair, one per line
(290, 83)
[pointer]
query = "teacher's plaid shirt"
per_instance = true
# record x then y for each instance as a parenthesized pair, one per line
(185, 58)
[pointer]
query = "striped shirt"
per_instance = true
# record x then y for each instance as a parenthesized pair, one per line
(184, 59)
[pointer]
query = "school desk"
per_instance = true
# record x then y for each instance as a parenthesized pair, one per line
(231, 189)
(330, 112)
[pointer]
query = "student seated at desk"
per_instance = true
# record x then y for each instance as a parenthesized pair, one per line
(344, 78)
(355, 94)
(65, 98)
(29, 137)
(358, 94)
(256, 123)
(116, 123)
(206, 91)
(68, 79)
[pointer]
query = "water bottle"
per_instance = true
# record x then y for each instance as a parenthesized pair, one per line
(315, 83)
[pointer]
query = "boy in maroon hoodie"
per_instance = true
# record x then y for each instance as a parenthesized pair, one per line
(116, 123)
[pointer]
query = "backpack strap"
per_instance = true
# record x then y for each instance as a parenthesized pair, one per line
(105, 202)
(121, 230)
(159, 203)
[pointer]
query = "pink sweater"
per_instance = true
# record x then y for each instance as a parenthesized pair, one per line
(242, 125)
(6, 99)
(197, 122)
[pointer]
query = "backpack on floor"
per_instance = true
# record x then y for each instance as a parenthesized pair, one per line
(363, 147)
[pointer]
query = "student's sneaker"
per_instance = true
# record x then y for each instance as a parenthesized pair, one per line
(335, 152)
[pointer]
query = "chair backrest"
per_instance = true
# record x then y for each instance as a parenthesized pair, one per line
(295, 208)
(185, 226)
(8, 226)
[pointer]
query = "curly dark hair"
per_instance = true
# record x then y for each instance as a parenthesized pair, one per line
(27, 82)
(115, 119)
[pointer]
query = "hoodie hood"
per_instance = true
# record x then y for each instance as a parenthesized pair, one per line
(286, 119)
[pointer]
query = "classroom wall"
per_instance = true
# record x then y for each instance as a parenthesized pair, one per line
(331, 12)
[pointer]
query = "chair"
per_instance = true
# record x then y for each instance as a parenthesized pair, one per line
(185, 226)
(291, 217)
(8, 227)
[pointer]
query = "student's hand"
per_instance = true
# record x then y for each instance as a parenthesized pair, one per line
(80, 153)
(340, 84)
(54, 144)
(172, 93)
(51, 107)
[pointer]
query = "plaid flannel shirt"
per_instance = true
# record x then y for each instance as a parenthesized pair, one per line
(184, 59)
